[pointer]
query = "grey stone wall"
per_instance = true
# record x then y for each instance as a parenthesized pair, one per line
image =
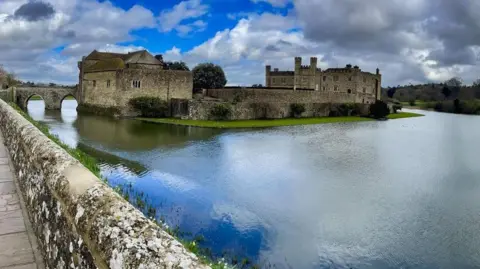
(164, 84)
(200, 110)
(5, 95)
(80, 222)
(281, 96)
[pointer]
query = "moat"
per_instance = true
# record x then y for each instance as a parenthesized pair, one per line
(400, 193)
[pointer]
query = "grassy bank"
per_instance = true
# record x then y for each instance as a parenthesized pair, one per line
(403, 115)
(253, 123)
(268, 123)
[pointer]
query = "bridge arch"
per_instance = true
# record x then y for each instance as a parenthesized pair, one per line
(24, 103)
(67, 97)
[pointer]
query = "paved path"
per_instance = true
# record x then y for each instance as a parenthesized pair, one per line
(18, 246)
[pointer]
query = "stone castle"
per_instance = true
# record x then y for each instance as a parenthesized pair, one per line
(107, 81)
(351, 80)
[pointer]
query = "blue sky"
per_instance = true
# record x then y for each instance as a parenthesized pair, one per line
(411, 41)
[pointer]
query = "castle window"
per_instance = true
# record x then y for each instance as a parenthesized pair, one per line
(273, 80)
(364, 90)
(324, 88)
(335, 78)
(136, 83)
(108, 83)
(349, 91)
(94, 83)
(324, 78)
(350, 79)
(335, 88)
(364, 79)
(284, 80)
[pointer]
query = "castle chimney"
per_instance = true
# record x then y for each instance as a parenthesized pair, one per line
(349, 66)
(268, 68)
(275, 70)
(378, 71)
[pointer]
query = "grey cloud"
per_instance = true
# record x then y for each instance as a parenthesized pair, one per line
(446, 28)
(34, 11)
(360, 25)
(448, 57)
(457, 25)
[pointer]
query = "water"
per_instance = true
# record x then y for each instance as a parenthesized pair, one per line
(396, 194)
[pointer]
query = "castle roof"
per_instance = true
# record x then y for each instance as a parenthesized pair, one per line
(141, 57)
(98, 56)
(108, 61)
(111, 64)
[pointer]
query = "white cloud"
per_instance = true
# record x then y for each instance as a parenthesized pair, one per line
(80, 26)
(173, 18)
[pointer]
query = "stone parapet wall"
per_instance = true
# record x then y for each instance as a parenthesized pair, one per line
(5, 95)
(200, 110)
(80, 222)
(280, 96)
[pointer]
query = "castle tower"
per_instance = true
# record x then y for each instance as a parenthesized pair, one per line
(313, 74)
(378, 85)
(268, 69)
(298, 67)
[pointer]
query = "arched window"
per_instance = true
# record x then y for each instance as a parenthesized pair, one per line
(349, 91)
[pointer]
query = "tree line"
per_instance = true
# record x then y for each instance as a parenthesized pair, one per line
(451, 89)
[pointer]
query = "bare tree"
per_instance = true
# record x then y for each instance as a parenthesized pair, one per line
(12, 79)
(7, 79)
(3, 76)
(476, 83)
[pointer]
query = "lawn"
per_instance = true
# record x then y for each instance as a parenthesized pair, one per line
(254, 123)
(268, 123)
(403, 115)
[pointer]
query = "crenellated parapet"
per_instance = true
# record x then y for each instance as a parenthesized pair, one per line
(349, 79)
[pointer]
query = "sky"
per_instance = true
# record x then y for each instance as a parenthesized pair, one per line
(411, 41)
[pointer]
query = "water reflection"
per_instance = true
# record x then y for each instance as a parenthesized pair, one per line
(395, 194)
(133, 135)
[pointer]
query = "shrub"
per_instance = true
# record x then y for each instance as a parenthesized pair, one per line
(396, 108)
(347, 109)
(379, 110)
(150, 107)
(221, 112)
(297, 109)
(412, 102)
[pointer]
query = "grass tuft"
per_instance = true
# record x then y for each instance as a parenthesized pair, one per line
(403, 115)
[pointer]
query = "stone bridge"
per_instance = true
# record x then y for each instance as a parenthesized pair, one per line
(52, 96)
